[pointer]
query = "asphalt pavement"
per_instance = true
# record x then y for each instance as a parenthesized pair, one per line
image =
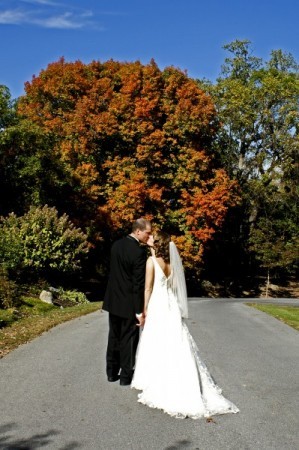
(54, 394)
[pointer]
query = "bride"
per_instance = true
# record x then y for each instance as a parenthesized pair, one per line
(169, 370)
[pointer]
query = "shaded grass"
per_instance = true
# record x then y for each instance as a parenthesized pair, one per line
(286, 314)
(34, 317)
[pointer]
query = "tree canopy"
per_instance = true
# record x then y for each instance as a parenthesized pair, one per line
(134, 141)
(214, 164)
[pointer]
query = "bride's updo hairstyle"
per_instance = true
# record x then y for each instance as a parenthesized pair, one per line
(161, 245)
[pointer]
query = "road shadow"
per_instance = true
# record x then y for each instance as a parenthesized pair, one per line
(36, 441)
(179, 445)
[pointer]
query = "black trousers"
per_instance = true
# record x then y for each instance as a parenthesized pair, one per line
(122, 345)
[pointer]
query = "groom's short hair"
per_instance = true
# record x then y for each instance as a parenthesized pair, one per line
(140, 224)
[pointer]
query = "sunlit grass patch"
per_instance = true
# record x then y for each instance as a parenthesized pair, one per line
(32, 318)
(286, 314)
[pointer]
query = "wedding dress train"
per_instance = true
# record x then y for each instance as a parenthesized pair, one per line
(169, 370)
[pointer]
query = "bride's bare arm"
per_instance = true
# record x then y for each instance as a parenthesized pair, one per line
(149, 283)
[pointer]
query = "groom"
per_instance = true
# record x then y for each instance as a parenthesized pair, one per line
(124, 299)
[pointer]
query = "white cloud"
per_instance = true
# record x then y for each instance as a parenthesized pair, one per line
(42, 2)
(12, 16)
(67, 20)
(64, 21)
(46, 14)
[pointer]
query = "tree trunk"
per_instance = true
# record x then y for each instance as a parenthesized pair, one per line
(268, 282)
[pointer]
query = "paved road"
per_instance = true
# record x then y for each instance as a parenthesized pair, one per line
(54, 394)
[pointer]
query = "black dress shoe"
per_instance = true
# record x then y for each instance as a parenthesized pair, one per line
(113, 378)
(125, 382)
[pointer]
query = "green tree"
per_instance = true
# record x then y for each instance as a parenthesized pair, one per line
(31, 172)
(7, 108)
(7, 118)
(257, 103)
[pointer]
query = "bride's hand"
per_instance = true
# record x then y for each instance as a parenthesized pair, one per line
(141, 319)
(150, 244)
(150, 241)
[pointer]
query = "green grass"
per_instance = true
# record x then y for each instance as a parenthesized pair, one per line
(286, 314)
(32, 318)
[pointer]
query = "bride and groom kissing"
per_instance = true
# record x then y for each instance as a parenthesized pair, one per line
(150, 294)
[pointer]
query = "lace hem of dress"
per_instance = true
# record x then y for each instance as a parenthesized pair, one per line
(178, 415)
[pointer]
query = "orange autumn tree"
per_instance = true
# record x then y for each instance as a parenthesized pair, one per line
(134, 141)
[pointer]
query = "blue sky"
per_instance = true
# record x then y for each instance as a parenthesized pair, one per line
(188, 34)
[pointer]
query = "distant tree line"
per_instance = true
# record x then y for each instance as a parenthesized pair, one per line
(90, 147)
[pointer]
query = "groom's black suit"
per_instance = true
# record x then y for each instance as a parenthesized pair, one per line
(124, 299)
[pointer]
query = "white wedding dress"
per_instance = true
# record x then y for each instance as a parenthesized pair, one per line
(169, 370)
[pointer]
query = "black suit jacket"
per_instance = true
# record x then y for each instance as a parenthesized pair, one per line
(124, 295)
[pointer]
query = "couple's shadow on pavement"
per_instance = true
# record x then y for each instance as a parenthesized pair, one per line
(36, 441)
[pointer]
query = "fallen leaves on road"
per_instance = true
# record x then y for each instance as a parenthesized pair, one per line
(210, 420)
